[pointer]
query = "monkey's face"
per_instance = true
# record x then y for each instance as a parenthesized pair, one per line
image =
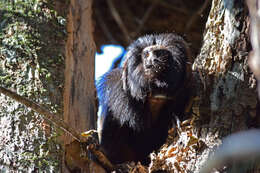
(156, 60)
(155, 63)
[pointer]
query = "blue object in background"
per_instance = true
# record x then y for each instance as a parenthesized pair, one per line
(105, 60)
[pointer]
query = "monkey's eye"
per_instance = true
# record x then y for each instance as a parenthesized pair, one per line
(162, 53)
(145, 54)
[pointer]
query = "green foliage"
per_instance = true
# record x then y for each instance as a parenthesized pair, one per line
(32, 39)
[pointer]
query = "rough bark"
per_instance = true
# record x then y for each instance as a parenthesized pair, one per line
(229, 101)
(31, 64)
(79, 95)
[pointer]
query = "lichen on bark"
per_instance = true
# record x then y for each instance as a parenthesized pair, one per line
(228, 94)
(32, 38)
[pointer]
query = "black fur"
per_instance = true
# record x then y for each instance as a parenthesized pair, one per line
(130, 126)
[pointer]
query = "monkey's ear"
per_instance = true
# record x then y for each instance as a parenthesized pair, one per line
(124, 75)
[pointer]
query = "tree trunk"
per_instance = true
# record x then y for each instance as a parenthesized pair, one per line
(79, 95)
(31, 64)
(228, 103)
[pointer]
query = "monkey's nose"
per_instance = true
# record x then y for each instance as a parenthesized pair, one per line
(148, 64)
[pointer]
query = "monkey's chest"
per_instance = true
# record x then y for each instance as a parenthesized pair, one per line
(156, 106)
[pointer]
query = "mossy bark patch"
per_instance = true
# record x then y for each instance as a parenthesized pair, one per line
(32, 39)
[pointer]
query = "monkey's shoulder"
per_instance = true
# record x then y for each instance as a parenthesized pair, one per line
(110, 89)
(116, 103)
(110, 83)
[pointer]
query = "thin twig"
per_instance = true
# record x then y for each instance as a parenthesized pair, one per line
(101, 157)
(43, 111)
(171, 6)
(196, 15)
(145, 17)
(104, 27)
(118, 20)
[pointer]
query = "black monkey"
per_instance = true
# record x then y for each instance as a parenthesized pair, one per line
(140, 99)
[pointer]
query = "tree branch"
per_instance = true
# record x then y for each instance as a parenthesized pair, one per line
(195, 16)
(59, 124)
(43, 111)
(118, 20)
(104, 27)
(145, 17)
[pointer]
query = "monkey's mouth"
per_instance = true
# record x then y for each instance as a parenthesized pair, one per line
(153, 71)
(160, 96)
(150, 73)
